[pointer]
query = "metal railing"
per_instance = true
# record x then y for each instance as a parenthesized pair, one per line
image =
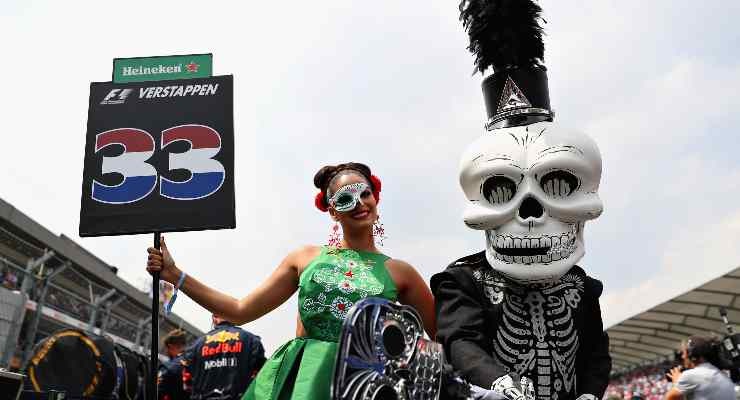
(60, 294)
(49, 287)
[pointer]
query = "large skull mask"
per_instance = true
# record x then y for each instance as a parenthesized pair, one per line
(531, 188)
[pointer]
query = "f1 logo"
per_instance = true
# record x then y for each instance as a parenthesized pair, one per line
(116, 96)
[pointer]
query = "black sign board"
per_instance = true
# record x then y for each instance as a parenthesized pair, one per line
(159, 157)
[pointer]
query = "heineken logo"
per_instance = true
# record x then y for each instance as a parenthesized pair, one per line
(159, 69)
(192, 67)
(162, 68)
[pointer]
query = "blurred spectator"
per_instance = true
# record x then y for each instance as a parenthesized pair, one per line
(10, 280)
(169, 376)
(67, 304)
(701, 378)
(16, 361)
(648, 382)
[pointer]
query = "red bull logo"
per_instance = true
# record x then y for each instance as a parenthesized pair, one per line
(222, 336)
(222, 348)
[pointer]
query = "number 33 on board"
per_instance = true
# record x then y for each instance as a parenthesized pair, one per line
(140, 178)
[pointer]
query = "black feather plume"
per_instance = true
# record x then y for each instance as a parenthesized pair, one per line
(503, 33)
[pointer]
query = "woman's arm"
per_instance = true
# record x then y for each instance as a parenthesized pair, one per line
(278, 287)
(413, 291)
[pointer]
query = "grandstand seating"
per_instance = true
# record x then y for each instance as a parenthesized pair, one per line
(649, 382)
(61, 282)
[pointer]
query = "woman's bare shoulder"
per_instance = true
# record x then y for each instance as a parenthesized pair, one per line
(401, 272)
(303, 255)
(398, 265)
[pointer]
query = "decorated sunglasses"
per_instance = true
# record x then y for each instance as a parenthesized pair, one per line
(346, 198)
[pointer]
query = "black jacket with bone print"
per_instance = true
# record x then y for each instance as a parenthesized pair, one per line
(552, 334)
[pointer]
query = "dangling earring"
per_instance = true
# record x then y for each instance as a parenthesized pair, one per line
(335, 237)
(379, 231)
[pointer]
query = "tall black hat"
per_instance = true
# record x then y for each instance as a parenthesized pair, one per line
(505, 35)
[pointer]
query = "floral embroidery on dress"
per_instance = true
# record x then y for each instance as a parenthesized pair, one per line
(349, 274)
(338, 307)
(345, 279)
(335, 282)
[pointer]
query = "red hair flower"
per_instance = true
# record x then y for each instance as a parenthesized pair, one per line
(376, 187)
(320, 201)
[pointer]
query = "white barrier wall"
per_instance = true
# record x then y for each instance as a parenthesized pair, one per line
(12, 311)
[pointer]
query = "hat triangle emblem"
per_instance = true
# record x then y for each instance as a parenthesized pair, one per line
(512, 97)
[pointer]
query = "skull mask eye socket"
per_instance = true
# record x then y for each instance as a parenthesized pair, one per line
(559, 184)
(498, 189)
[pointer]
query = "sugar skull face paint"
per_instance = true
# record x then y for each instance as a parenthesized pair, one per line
(347, 197)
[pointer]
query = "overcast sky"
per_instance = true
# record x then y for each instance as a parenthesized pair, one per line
(389, 83)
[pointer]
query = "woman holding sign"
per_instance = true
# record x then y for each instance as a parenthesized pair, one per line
(329, 280)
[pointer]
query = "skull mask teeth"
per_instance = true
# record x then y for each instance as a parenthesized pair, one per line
(532, 250)
(531, 188)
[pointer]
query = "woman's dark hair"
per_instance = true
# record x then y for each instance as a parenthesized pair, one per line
(323, 178)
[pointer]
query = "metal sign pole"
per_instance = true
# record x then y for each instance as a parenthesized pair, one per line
(154, 354)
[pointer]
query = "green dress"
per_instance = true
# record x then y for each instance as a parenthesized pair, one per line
(302, 369)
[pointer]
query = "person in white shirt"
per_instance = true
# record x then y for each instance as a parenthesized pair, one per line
(701, 379)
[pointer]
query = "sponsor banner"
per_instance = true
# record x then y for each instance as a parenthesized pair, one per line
(159, 157)
(142, 69)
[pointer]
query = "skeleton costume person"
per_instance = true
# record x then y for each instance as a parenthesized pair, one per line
(522, 311)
